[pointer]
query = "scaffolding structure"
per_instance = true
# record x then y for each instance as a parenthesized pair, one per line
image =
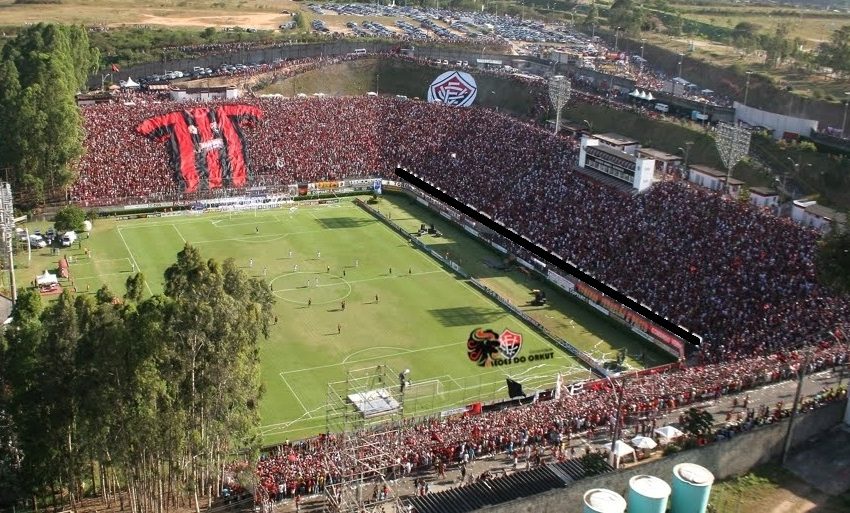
(7, 236)
(364, 447)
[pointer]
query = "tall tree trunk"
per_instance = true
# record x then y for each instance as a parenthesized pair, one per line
(93, 480)
(53, 495)
(197, 505)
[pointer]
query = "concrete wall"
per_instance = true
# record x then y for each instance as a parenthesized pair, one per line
(726, 459)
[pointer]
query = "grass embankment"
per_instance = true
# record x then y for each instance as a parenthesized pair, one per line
(772, 489)
(398, 77)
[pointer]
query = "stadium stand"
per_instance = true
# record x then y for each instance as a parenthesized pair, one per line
(739, 276)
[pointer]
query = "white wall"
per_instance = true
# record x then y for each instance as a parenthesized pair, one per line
(644, 173)
(776, 122)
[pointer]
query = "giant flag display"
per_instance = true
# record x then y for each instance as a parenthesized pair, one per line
(206, 144)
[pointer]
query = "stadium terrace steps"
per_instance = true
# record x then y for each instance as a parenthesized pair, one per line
(501, 489)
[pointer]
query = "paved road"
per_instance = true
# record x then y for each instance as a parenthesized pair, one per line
(766, 395)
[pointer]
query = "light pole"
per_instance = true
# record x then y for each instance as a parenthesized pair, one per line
(747, 87)
(642, 41)
(681, 58)
(733, 144)
(844, 121)
(103, 80)
(559, 92)
(589, 125)
(686, 152)
(617, 39)
(615, 433)
(801, 377)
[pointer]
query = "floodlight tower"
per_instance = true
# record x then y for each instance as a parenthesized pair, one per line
(7, 235)
(559, 93)
(733, 144)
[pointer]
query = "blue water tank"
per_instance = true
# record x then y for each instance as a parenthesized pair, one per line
(691, 488)
(600, 500)
(648, 494)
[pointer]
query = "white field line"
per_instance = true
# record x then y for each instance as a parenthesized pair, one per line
(309, 369)
(178, 232)
(294, 394)
(136, 264)
(355, 281)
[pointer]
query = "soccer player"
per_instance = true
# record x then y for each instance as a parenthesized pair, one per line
(295, 268)
(329, 268)
(309, 301)
(391, 270)
(318, 254)
(290, 253)
(251, 263)
(258, 229)
(343, 306)
(376, 298)
(338, 329)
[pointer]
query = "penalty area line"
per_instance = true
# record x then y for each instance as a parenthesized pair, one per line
(295, 395)
(133, 259)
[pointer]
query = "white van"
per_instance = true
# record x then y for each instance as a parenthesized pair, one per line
(37, 242)
(662, 107)
(69, 238)
(360, 51)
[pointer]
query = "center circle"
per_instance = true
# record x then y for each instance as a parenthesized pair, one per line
(317, 287)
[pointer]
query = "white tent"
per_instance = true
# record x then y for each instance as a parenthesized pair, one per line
(669, 432)
(649, 96)
(636, 92)
(621, 449)
(644, 442)
(642, 95)
(129, 83)
(46, 279)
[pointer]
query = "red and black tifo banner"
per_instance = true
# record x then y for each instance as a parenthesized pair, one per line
(487, 348)
(205, 144)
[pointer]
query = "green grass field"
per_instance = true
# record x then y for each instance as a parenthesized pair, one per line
(421, 319)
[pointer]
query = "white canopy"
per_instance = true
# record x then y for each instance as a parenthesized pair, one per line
(129, 83)
(46, 279)
(644, 442)
(669, 432)
(636, 92)
(649, 96)
(621, 449)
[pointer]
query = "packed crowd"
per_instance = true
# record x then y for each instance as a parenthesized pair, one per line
(545, 428)
(740, 277)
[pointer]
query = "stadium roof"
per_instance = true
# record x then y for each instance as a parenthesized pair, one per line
(616, 139)
(500, 490)
(659, 155)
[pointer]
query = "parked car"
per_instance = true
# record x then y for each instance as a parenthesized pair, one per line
(37, 242)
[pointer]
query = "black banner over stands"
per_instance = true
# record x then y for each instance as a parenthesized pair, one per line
(546, 255)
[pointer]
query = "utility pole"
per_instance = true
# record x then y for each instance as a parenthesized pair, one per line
(616, 432)
(801, 377)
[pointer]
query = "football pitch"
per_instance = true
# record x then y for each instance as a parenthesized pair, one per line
(401, 309)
